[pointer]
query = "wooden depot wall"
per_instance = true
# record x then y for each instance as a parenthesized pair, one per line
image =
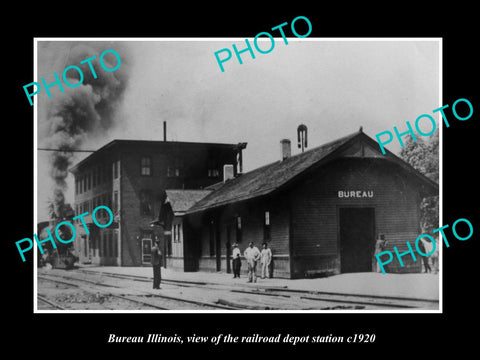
(304, 218)
(315, 207)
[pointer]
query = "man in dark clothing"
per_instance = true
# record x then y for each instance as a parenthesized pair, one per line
(156, 263)
(237, 261)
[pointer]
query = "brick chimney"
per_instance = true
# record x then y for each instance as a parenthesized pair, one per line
(228, 172)
(286, 148)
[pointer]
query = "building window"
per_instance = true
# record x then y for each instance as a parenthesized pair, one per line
(115, 202)
(115, 244)
(102, 200)
(116, 168)
(109, 200)
(89, 184)
(105, 239)
(146, 202)
(97, 175)
(146, 166)
(178, 167)
(94, 178)
(266, 226)
(110, 244)
(102, 175)
(176, 233)
(213, 173)
(175, 169)
(239, 229)
(213, 170)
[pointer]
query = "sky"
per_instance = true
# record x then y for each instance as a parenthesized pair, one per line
(333, 86)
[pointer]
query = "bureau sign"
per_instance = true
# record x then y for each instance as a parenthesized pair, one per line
(355, 194)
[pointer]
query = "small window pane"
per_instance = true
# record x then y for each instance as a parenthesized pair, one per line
(146, 166)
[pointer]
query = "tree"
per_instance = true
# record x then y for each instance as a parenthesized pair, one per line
(424, 157)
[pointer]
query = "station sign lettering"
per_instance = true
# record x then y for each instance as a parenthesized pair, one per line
(355, 193)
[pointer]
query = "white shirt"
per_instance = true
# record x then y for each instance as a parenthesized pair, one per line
(252, 253)
(266, 256)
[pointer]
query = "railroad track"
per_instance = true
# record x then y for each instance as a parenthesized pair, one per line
(139, 297)
(50, 304)
(338, 300)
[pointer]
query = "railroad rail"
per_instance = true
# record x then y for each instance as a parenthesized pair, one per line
(50, 303)
(137, 297)
(334, 300)
(359, 300)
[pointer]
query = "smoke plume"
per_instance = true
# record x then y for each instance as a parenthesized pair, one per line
(81, 113)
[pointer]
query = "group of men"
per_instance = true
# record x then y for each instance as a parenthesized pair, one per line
(252, 255)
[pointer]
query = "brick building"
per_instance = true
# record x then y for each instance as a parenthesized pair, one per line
(130, 177)
(320, 211)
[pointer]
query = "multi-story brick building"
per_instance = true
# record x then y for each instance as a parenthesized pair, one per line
(130, 177)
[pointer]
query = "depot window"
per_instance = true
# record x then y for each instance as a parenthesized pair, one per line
(266, 226)
(239, 229)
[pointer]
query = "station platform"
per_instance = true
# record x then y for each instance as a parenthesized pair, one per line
(420, 286)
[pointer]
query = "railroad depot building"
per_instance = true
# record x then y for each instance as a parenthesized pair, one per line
(130, 177)
(319, 211)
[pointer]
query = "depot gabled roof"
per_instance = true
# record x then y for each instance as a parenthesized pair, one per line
(182, 200)
(272, 177)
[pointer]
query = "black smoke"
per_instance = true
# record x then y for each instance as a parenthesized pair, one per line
(83, 112)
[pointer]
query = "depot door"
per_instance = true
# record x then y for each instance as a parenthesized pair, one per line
(357, 239)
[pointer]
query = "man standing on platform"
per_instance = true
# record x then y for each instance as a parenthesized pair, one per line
(380, 245)
(265, 260)
(156, 263)
(236, 261)
(252, 255)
